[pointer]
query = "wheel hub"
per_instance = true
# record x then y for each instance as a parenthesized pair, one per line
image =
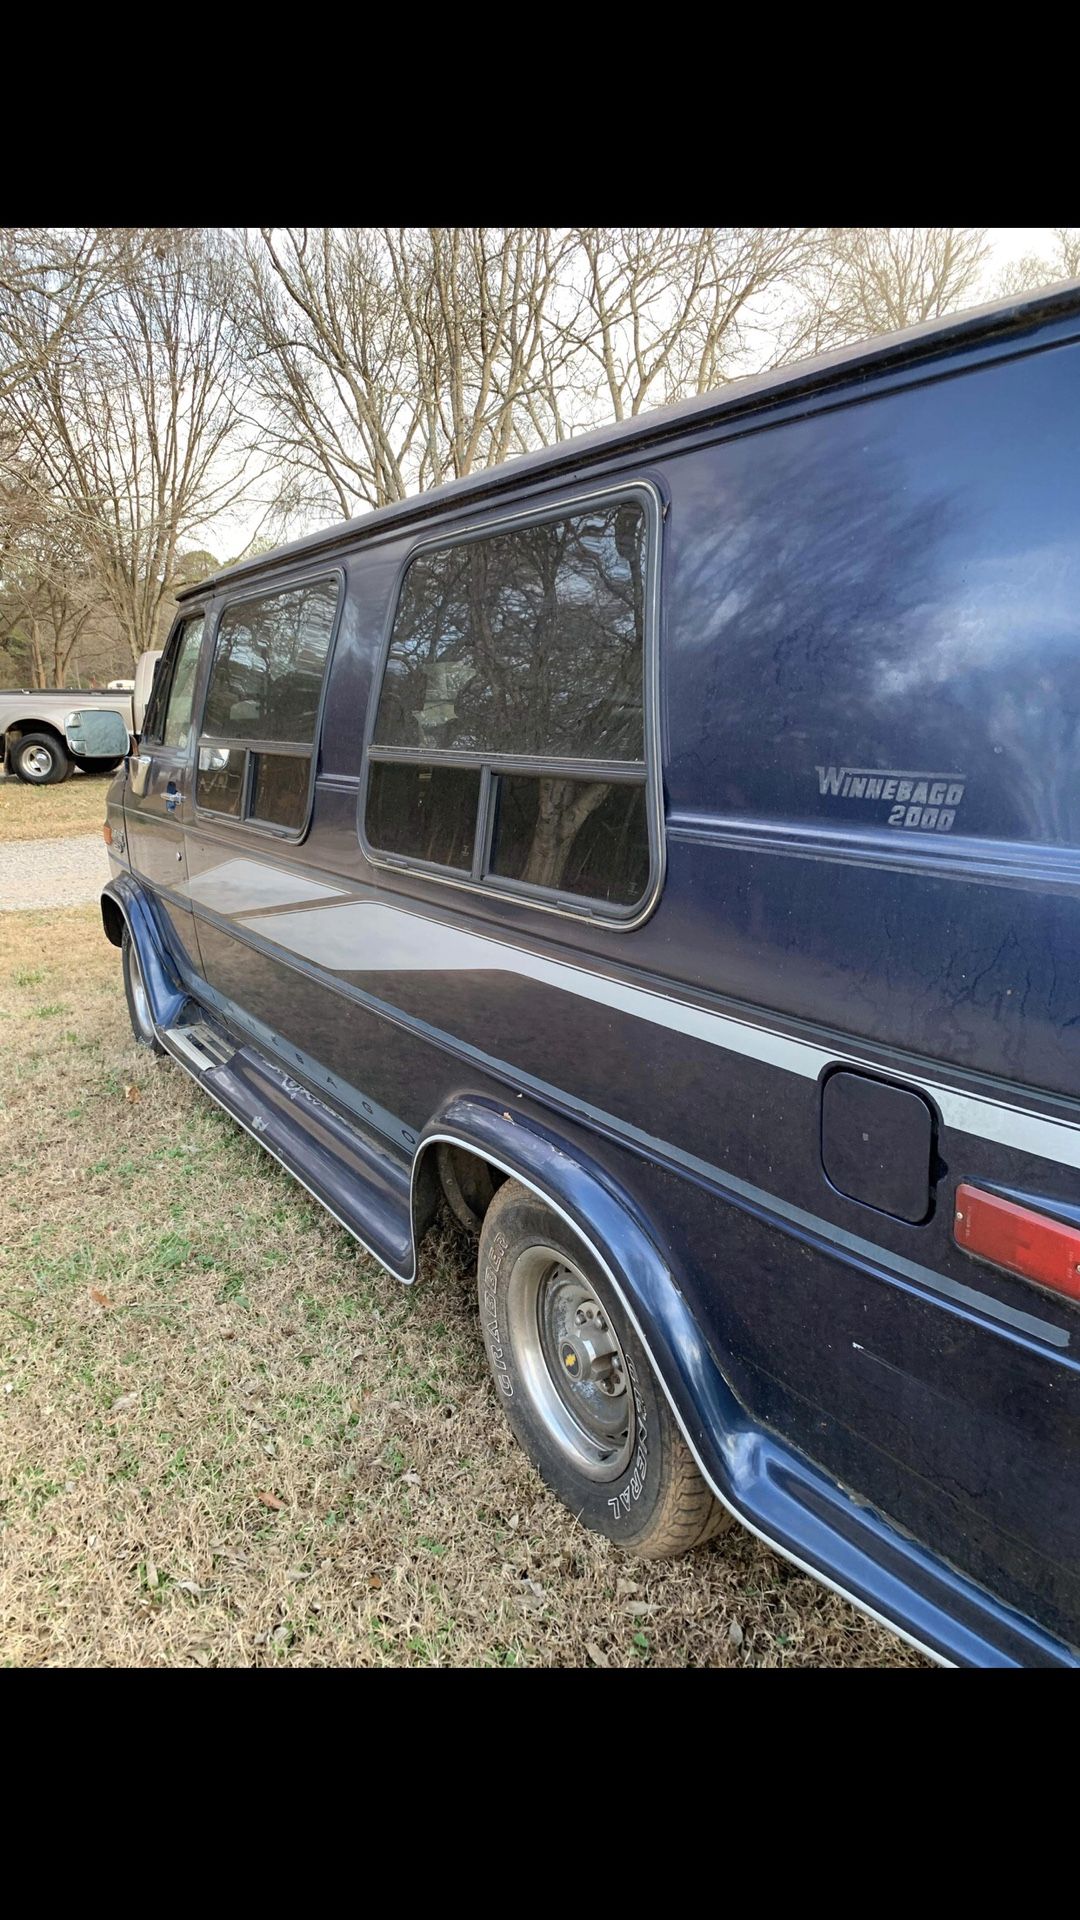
(573, 1362)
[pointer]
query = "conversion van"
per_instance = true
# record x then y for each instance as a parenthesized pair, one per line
(666, 847)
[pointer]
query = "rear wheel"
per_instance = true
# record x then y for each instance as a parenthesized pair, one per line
(138, 1000)
(578, 1389)
(40, 760)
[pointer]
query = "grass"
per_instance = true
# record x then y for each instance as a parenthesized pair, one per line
(228, 1439)
(77, 805)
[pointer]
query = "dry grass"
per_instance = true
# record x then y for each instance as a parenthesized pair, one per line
(227, 1438)
(46, 813)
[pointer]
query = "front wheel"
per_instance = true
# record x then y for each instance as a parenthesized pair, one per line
(40, 760)
(578, 1389)
(138, 1000)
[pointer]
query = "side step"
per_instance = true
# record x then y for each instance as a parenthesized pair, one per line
(363, 1186)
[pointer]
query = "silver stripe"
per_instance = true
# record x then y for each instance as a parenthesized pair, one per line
(243, 886)
(371, 937)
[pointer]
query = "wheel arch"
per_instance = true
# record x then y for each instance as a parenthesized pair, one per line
(612, 1229)
(126, 908)
(20, 728)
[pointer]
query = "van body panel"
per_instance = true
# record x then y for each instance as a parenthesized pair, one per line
(869, 707)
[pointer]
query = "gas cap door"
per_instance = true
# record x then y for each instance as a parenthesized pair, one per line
(877, 1144)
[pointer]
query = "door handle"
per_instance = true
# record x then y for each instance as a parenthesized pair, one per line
(139, 766)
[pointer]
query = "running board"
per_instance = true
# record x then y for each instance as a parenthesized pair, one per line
(364, 1187)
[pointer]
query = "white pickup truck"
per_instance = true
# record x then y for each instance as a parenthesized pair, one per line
(45, 733)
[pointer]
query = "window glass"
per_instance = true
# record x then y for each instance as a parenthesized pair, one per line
(177, 729)
(529, 640)
(268, 665)
(279, 788)
(425, 813)
(586, 837)
(220, 780)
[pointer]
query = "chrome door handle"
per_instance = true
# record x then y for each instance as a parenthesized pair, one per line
(139, 766)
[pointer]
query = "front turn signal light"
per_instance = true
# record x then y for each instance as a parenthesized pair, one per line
(106, 834)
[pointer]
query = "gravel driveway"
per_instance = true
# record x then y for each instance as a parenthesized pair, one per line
(52, 873)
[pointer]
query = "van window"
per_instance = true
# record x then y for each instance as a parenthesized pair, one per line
(167, 720)
(514, 656)
(182, 691)
(262, 705)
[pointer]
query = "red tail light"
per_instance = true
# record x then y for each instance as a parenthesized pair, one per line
(1026, 1242)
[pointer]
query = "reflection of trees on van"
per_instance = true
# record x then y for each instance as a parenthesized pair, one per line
(268, 665)
(870, 586)
(529, 641)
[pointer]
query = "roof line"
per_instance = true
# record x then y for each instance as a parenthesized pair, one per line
(883, 352)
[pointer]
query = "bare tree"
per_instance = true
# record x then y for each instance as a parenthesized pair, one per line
(387, 360)
(870, 280)
(49, 594)
(131, 429)
(1042, 269)
(47, 282)
(667, 311)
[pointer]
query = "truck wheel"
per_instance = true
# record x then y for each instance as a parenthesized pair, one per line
(40, 760)
(138, 1000)
(578, 1389)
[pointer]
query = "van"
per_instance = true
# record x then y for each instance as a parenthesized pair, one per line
(666, 849)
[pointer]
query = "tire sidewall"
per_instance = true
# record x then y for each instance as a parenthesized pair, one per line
(142, 1037)
(624, 1508)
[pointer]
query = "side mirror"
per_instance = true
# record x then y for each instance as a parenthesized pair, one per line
(97, 734)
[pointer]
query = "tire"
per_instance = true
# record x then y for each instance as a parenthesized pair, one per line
(604, 1440)
(40, 760)
(142, 1020)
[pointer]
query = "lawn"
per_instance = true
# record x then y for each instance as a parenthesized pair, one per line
(77, 805)
(228, 1439)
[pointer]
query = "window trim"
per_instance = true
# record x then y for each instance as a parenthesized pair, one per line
(254, 590)
(647, 771)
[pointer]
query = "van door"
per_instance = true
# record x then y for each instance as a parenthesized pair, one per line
(157, 798)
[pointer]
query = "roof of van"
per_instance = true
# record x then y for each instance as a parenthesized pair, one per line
(882, 353)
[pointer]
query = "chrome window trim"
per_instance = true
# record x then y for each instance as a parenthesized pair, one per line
(648, 494)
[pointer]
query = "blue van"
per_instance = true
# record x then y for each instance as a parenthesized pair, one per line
(666, 848)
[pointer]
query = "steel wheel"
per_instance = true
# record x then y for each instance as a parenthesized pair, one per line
(571, 1362)
(39, 762)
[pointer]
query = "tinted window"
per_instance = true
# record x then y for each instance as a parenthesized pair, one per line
(268, 665)
(178, 713)
(586, 837)
(426, 813)
(221, 779)
(279, 788)
(529, 640)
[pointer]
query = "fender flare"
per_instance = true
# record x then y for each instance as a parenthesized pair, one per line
(125, 904)
(613, 1230)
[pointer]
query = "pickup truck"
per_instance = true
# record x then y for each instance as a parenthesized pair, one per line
(44, 735)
